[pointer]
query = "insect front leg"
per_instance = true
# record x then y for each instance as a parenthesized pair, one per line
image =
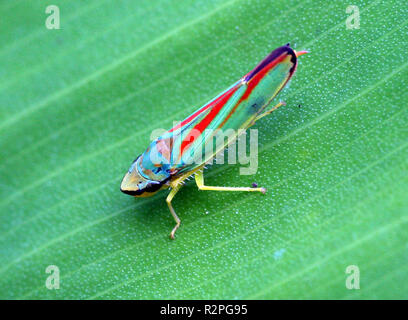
(175, 185)
(173, 213)
(281, 103)
(199, 178)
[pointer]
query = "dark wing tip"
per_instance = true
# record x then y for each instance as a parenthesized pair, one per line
(286, 49)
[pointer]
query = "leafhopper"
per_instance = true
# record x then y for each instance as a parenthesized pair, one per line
(182, 151)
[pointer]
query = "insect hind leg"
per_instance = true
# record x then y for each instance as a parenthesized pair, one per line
(199, 178)
(281, 103)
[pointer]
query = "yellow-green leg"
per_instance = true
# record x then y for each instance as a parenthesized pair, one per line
(173, 213)
(282, 103)
(175, 187)
(199, 178)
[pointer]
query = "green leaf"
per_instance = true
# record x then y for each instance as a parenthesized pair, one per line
(78, 104)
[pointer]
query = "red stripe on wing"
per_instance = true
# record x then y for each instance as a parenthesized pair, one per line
(195, 114)
(202, 125)
(253, 83)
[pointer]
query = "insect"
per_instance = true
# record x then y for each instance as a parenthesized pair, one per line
(171, 158)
